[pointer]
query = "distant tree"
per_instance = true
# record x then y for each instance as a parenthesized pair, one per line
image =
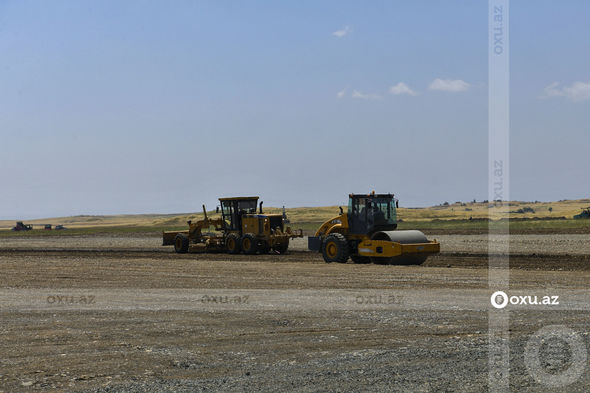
(446, 204)
(550, 209)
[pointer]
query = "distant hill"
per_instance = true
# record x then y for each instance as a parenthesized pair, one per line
(451, 211)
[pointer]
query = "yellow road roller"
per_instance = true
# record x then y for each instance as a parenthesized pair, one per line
(367, 233)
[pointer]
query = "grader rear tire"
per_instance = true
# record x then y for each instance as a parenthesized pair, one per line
(281, 248)
(249, 244)
(263, 247)
(335, 248)
(232, 243)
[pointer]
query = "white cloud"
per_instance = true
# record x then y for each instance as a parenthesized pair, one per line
(341, 93)
(365, 96)
(578, 91)
(342, 32)
(402, 88)
(452, 85)
(552, 91)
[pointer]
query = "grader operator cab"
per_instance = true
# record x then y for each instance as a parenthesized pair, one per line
(239, 229)
(367, 233)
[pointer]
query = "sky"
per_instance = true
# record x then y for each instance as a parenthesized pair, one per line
(110, 107)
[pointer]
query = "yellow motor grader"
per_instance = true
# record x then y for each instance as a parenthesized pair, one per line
(239, 229)
(367, 233)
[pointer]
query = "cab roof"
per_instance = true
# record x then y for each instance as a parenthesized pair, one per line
(239, 198)
(370, 195)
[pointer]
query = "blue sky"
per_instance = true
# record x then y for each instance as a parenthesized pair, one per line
(139, 106)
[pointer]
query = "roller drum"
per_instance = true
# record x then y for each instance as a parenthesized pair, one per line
(403, 237)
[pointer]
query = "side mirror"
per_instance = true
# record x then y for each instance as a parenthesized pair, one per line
(216, 209)
(397, 204)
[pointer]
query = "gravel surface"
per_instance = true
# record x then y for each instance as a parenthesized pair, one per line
(430, 348)
(574, 244)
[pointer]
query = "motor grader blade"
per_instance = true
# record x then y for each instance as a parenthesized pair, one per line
(169, 236)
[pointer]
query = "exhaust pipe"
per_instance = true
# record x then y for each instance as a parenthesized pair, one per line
(260, 210)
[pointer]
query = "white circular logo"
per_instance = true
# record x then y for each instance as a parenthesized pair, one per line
(494, 299)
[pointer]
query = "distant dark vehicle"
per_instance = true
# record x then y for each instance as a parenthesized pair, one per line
(585, 213)
(21, 227)
(59, 227)
(47, 227)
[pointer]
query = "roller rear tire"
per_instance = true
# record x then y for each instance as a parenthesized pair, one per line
(335, 248)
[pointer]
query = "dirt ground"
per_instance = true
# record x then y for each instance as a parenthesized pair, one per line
(155, 321)
(575, 244)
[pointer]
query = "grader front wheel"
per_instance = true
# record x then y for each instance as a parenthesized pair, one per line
(181, 243)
